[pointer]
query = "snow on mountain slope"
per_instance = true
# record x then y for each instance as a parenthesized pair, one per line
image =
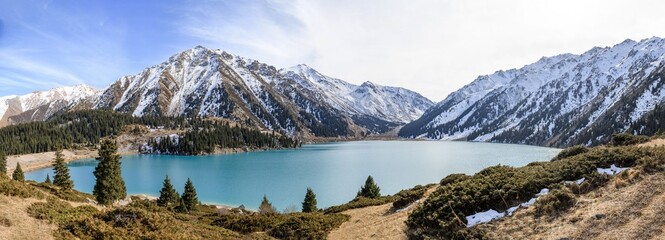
(556, 101)
(207, 82)
(40, 105)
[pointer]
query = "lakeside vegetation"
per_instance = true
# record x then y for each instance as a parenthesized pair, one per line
(85, 129)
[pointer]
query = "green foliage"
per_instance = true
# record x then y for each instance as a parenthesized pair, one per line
(370, 189)
(571, 151)
(453, 178)
(624, 139)
(3, 163)
(406, 197)
(266, 207)
(189, 198)
(283, 226)
(501, 187)
(18, 189)
(554, 203)
(168, 197)
(109, 186)
(69, 195)
(88, 127)
(48, 179)
(309, 204)
(360, 202)
(61, 170)
(18, 173)
(131, 222)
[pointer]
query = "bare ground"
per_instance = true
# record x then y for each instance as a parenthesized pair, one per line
(15, 223)
(376, 222)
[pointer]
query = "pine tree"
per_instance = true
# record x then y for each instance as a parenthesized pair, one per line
(370, 190)
(189, 198)
(309, 205)
(168, 197)
(3, 163)
(266, 207)
(61, 178)
(109, 186)
(18, 173)
(48, 179)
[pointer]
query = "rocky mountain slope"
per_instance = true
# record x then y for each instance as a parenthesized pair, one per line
(557, 101)
(297, 100)
(40, 105)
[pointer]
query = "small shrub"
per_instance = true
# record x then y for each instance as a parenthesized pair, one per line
(360, 202)
(554, 203)
(5, 222)
(18, 189)
(406, 197)
(571, 151)
(453, 178)
(624, 139)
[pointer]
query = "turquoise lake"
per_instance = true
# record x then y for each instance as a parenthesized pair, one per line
(335, 171)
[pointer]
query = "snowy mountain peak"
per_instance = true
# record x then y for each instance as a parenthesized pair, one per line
(296, 100)
(567, 95)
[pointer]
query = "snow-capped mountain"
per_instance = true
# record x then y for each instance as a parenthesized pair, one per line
(557, 101)
(297, 100)
(40, 105)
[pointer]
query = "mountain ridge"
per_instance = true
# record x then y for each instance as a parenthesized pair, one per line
(536, 103)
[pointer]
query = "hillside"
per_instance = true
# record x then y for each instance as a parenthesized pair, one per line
(297, 100)
(562, 100)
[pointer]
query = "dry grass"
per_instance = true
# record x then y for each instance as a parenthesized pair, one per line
(376, 222)
(653, 143)
(633, 210)
(17, 224)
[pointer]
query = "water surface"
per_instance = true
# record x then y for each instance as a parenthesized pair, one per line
(335, 171)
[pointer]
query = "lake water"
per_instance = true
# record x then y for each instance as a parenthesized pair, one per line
(335, 171)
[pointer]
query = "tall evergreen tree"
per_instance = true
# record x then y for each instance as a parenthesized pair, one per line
(109, 186)
(3, 163)
(48, 179)
(61, 178)
(168, 197)
(370, 190)
(18, 173)
(266, 207)
(189, 198)
(309, 204)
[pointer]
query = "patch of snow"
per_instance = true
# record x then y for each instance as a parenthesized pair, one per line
(612, 170)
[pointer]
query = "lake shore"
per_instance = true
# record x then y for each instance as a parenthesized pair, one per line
(35, 161)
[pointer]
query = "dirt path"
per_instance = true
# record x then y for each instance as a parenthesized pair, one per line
(15, 223)
(377, 222)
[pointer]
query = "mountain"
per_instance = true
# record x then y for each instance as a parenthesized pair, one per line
(40, 105)
(557, 101)
(297, 100)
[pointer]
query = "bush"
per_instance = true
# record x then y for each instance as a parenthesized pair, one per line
(284, 226)
(624, 139)
(571, 151)
(360, 202)
(18, 189)
(453, 178)
(554, 203)
(405, 197)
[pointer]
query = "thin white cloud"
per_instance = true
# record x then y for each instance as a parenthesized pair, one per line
(431, 46)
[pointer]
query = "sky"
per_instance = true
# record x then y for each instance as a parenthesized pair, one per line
(433, 47)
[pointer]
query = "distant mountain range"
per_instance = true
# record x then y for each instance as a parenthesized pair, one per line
(557, 101)
(212, 83)
(562, 100)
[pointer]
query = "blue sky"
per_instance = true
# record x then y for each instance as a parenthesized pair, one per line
(430, 46)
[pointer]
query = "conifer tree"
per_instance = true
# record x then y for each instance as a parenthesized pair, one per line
(309, 204)
(266, 207)
(370, 190)
(189, 198)
(61, 178)
(109, 186)
(3, 163)
(48, 179)
(18, 173)
(168, 197)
